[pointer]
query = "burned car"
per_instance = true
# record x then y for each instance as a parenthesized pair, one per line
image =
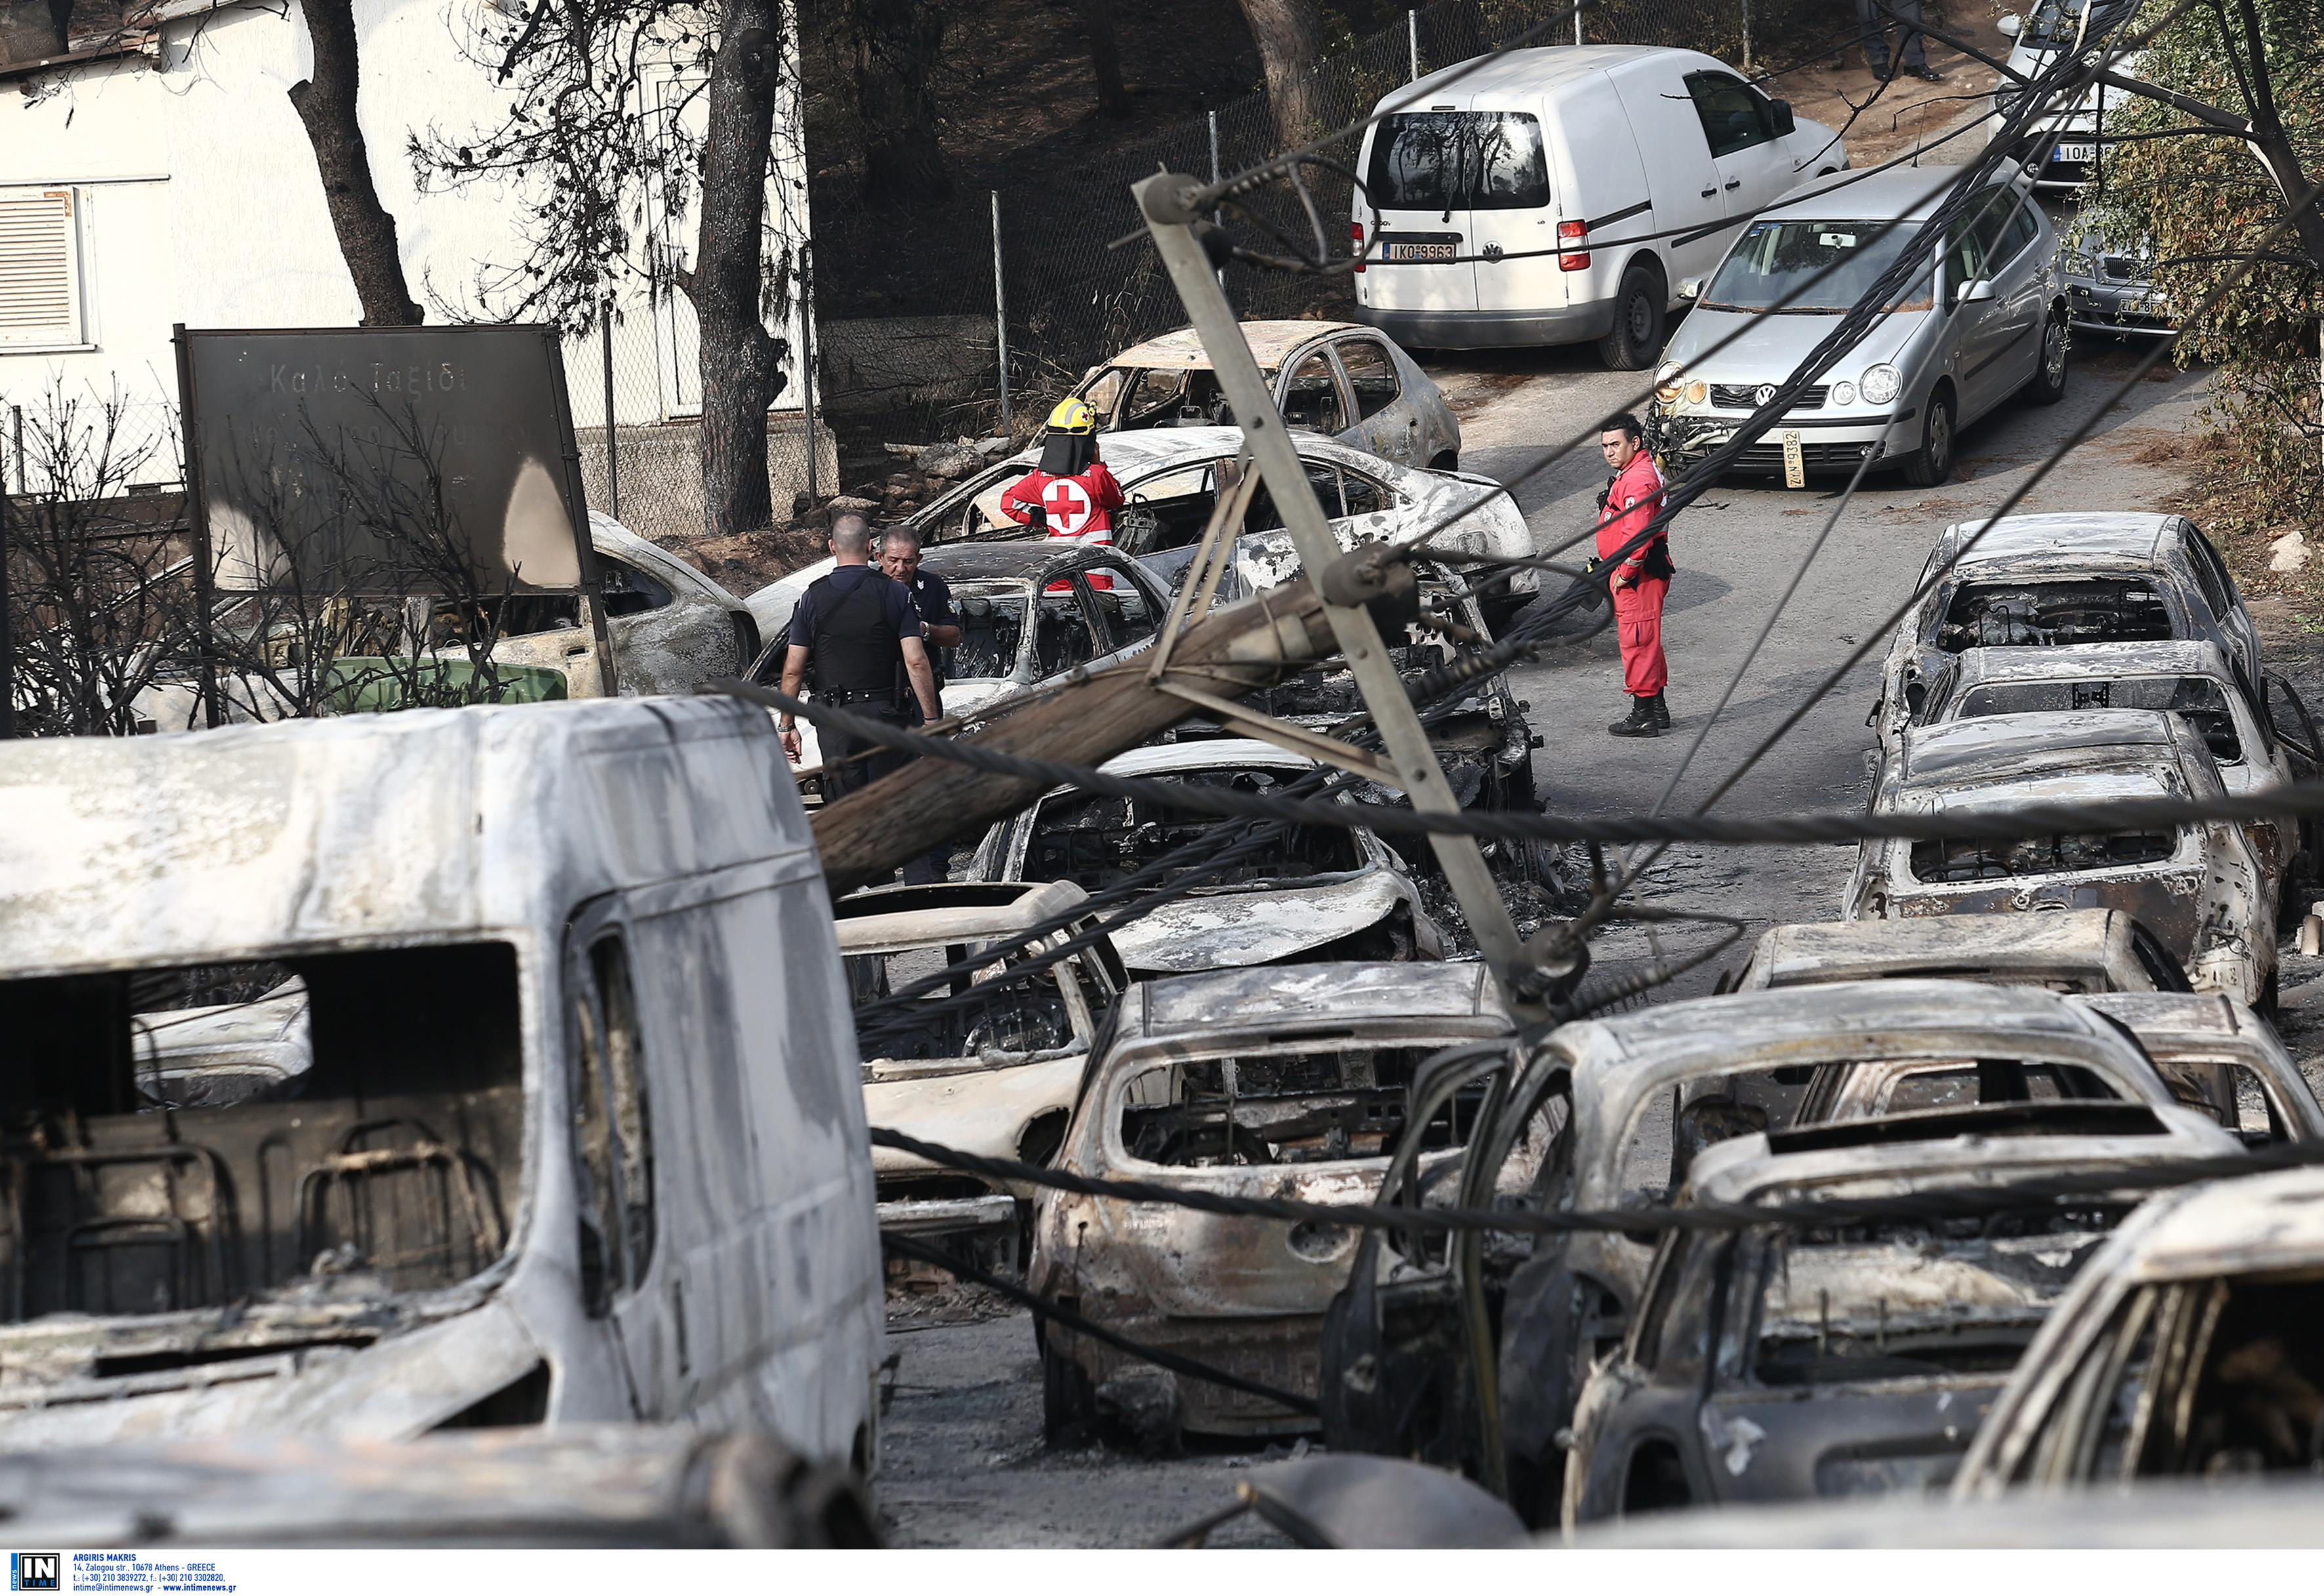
(1029, 610)
(1800, 1360)
(575, 1133)
(1482, 739)
(1291, 1082)
(2060, 581)
(1318, 892)
(1172, 478)
(2080, 950)
(2220, 1057)
(2205, 888)
(2190, 679)
(989, 1061)
(2187, 1348)
(1345, 382)
(1649, 1092)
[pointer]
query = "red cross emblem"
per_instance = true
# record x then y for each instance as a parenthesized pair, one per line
(1068, 504)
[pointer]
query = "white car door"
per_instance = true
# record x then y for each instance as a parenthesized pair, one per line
(1681, 181)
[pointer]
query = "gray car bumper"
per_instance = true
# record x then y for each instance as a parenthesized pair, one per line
(1491, 329)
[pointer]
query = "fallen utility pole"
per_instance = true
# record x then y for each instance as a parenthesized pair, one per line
(1164, 200)
(1086, 719)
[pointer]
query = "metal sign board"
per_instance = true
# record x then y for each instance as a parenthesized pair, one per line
(399, 461)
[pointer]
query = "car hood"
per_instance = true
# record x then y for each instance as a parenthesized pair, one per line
(1213, 930)
(1772, 346)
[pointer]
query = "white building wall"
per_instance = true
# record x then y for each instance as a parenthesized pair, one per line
(197, 201)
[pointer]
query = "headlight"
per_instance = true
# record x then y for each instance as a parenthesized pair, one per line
(1844, 394)
(1881, 383)
(1666, 381)
(1696, 392)
(2079, 265)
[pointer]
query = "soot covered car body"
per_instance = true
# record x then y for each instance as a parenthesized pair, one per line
(2205, 888)
(1288, 1082)
(1319, 893)
(991, 1062)
(1796, 1360)
(2058, 581)
(2083, 950)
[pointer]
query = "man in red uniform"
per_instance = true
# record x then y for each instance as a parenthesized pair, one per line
(1072, 494)
(1640, 582)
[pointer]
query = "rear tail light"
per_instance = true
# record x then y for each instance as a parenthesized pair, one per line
(1573, 236)
(1356, 242)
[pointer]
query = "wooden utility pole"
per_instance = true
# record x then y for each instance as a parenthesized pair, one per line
(1254, 645)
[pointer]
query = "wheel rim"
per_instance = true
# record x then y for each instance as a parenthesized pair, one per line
(2053, 355)
(1941, 438)
(1642, 319)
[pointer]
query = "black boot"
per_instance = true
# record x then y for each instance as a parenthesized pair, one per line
(1662, 716)
(1641, 722)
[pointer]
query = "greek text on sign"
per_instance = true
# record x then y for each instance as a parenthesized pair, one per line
(1069, 507)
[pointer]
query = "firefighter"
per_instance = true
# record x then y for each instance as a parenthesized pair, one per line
(1642, 581)
(1071, 493)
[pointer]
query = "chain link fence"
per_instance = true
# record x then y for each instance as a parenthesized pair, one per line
(1039, 265)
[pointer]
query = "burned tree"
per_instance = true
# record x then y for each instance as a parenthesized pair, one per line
(1290, 50)
(625, 113)
(895, 45)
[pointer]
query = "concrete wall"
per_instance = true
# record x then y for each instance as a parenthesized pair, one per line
(661, 473)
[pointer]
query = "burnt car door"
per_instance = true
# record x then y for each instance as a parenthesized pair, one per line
(2226, 603)
(1388, 423)
(1120, 607)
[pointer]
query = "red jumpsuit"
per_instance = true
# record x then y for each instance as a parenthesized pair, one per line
(1081, 508)
(1634, 499)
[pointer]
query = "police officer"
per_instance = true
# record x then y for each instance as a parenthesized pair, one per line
(899, 559)
(1071, 492)
(860, 633)
(1641, 581)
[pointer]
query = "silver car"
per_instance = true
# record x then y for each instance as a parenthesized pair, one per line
(2109, 290)
(1332, 377)
(1987, 321)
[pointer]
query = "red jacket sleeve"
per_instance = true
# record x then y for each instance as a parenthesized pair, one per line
(1018, 502)
(1104, 490)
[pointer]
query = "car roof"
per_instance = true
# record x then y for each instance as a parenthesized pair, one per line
(2106, 533)
(1961, 1148)
(1864, 949)
(2188, 1014)
(2089, 661)
(1903, 193)
(1030, 556)
(1157, 449)
(1781, 1020)
(1325, 995)
(1990, 747)
(1271, 343)
(2258, 1221)
(887, 919)
(1235, 754)
(1530, 70)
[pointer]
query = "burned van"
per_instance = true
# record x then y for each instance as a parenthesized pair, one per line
(532, 1099)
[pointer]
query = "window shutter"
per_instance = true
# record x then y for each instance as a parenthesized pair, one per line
(40, 275)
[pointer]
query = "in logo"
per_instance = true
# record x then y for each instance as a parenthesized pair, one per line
(1767, 392)
(36, 1570)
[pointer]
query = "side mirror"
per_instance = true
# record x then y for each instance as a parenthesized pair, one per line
(2011, 25)
(1785, 122)
(1978, 292)
(1690, 288)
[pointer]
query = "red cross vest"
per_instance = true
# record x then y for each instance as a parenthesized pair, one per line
(1079, 508)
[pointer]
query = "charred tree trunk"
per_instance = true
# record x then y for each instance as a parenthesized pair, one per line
(326, 103)
(1105, 59)
(896, 43)
(742, 361)
(1290, 48)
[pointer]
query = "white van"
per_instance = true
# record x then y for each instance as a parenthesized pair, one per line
(570, 1131)
(1591, 179)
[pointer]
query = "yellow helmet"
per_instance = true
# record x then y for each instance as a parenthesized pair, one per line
(1071, 416)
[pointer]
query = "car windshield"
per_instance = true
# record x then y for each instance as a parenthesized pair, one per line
(1812, 268)
(1447, 161)
(2200, 699)
(999, 1018)
(1095, 840)
(1980, 859)
(992, 634)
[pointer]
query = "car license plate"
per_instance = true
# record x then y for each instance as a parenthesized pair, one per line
(1795, 466)
(1423, 252)
(2079, 154)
